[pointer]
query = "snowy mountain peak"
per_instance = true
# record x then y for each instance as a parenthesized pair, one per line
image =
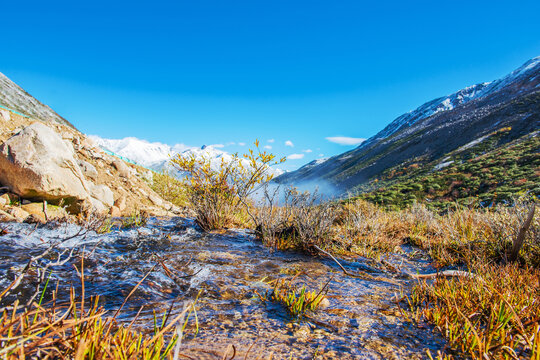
(446, 103)
(156, 156)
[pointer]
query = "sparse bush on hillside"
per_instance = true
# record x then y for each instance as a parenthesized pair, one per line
(302, 221)
(217, 195)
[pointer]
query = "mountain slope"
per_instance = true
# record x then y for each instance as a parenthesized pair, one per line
(13, 97)
(435, 129)
(484, 171)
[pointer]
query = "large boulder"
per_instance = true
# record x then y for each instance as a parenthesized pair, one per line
(37, 164)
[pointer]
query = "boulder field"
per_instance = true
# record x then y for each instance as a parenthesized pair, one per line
(50, 170)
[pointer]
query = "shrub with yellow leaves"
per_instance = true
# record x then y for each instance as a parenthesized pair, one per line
(217, 194)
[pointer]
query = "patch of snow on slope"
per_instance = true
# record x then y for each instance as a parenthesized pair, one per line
(472, 143)
(443, 165)
(460, 97)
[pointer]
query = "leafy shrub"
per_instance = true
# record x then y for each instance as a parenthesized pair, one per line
(216, 195)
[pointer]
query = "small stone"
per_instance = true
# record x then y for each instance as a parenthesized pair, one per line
(19, 214)
(115, 212)
(5, 217)
(121, 203)
(103, 193)
(88, 169)
(324, 304)
(66, 135)
(35, 210)
(4, 200)
(35, 219)
(94, 205)
(123, 169)
(303, 332)
(156, 200)
(5, 115)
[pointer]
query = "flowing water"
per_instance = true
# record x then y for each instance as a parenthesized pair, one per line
(226, 271)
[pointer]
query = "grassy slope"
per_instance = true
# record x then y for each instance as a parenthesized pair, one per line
(493, 170)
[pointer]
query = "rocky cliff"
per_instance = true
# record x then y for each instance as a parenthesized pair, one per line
(46, 159)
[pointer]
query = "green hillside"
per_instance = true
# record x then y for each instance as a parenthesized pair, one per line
(490, 171)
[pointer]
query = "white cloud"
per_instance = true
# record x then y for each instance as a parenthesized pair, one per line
(307, 151)
(289, 143)
(344, 140)
(267, 147)
(219, 146)
(271, 141)
(230, 143)
(242, 144)
(295, 156)
(321, 155)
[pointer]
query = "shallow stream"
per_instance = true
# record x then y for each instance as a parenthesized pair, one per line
(225, 271)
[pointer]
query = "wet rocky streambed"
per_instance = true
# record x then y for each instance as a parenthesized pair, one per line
(226, 271)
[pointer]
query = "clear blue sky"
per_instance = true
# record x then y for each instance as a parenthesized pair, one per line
(206, 72)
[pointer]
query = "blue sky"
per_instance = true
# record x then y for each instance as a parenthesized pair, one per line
(222, 72)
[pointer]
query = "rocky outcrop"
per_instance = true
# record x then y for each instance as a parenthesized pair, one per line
(42, 159)
(37, 164)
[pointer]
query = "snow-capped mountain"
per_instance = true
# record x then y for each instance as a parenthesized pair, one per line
(157, 156)
(433, 107)
(151, 155)
(460, 97)
(435, 129)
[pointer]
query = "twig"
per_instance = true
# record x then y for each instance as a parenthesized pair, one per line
(337, 262)
(132, 291)
(45, 210)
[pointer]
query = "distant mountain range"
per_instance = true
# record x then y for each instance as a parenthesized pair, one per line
(430, 132)
(156, 156)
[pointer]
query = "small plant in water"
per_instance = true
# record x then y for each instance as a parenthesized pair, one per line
(136, 219)
(296, 300)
